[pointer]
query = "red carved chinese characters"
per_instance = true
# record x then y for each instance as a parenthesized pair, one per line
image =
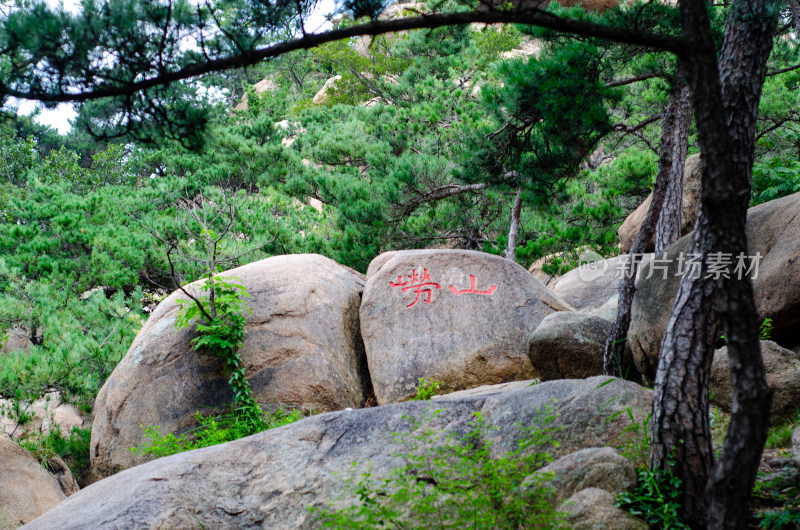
(472, 289)
(418, 285)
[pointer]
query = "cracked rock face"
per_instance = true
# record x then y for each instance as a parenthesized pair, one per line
(459, 317)
(270, 479)
(302, 349)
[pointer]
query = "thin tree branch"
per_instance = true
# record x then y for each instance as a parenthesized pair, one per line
(636, 79)
(532, 16)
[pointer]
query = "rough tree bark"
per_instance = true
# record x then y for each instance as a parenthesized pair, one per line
(615, 357)
(725, 108)
(681, 437)
(516, 211)
(747, 45)
(668, 229)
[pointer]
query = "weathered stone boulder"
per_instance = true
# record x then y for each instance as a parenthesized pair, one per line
(796, 444)
(595, 509)
(537, 267)
(593, 467)
(15, 339)
(302, 349)
(322, 95)
(307, 463)
(47, 413)
(28, 489)
(459, 317)
(265, 85)
(783, 377)
(773, 232)
(592, 285)
(607, 311)
(568, 345)
(692, 173)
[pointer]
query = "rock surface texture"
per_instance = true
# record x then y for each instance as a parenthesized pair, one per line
(692, 172)
(595, 509)
(568, 345)
(590, 286)
(307, 463)
(302, 349)
(773, 233)
(28, 489)
(16, 339)
(783, 377)
(593, 467)
(459, 317)
(47, 413)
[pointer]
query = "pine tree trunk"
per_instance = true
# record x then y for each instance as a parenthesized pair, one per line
(516, 211)
(742, 66)
(725, 108)
(681, 437)
(615, 356)
(668, 229)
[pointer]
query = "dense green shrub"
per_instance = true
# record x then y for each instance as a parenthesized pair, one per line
(454, 482)
(213, 430)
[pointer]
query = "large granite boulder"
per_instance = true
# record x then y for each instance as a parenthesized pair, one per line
(28, 489)
(568, 345)
(692, 173)
(270, 479)
(773, 232)
(588, 287)
(782, 368)
(302, 349)
(459, 317)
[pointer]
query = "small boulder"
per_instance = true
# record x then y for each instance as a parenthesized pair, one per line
(16, 339)
(47, 412)
(773, 232)
(455, 316)
(595, 509)
(607, 311)
(265, 85)
(537, 267)
(594, 467)
(568, 345)
(322, 95)
(592, 285)
(692, 173)
(796, 444)
(28, 489)
(783, 377)
(270, 479)
(302, 349)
